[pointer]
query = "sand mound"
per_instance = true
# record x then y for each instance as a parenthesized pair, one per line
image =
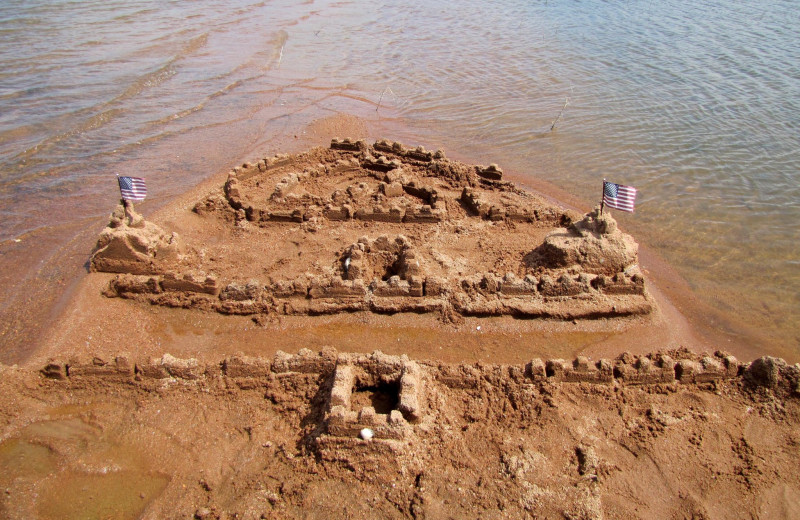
(594, 245)
(774, 374)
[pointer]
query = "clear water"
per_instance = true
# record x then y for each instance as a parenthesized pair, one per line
(695, 104)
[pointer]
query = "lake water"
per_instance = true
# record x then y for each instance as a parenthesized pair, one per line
(695, 104)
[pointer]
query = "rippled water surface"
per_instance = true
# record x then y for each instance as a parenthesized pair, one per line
(695, 104)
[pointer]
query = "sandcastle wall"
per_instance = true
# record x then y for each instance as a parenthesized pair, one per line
(390, 397)
(384, 159)
(627, 369)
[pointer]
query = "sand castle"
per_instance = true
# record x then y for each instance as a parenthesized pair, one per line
(382, 229)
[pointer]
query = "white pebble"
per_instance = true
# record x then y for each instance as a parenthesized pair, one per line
(366, 434)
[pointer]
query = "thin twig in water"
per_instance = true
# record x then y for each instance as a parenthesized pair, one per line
(381, 98)
(566, 102)
(280, 56)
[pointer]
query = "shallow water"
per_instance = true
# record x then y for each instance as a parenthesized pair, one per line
(66, 468)
(696, 106)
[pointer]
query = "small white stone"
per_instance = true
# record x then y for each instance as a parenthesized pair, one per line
(478, 327)
(366, 434)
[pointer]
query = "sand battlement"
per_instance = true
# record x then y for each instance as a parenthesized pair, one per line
(407, 379)
(626, 369)
(392, 177)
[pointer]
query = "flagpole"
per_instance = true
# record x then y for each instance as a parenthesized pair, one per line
(127, 205)
(602, 196)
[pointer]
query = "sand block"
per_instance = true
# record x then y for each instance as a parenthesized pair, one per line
(380, 164)
(424, 214)
(189, 282)
(405, 304)
(131, 284)
(170, 366)
(246, 367)
(473, 201)
(288, 215)
(419, 154)
(458, 377)
(536, 370)
(337, 288)
(645, 371)
(580, 370)
(182, 368)
(306, 361)
(706, 370)
(238, 292)
(393, 189)
(513, 286)
(120, 366)
(344, 212)
(349, 145)
(381, 214)
(434, 286)
(491, 172)
(54, 370)
(428, 194)
(565, 285)
(383, 145)
(392, 287)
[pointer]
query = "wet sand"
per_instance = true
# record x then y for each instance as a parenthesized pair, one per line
(205, 442)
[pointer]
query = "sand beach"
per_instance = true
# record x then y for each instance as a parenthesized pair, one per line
(370, 279)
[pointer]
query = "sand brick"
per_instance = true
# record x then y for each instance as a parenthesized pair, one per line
(246, 366)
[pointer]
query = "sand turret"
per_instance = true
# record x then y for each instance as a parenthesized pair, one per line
(594, 245)
(130, 244)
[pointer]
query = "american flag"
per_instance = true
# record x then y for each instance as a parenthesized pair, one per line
(618, 196)
(132, 188)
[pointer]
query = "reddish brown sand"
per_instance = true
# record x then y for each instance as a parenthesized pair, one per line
(493, 441)
(248, 440)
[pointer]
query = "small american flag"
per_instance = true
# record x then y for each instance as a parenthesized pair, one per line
(132, 188)
(618, 196)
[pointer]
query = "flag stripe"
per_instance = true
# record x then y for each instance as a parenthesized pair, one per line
(132, 188)
(618, 196)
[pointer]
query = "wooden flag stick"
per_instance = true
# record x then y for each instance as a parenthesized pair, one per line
(603, 197)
